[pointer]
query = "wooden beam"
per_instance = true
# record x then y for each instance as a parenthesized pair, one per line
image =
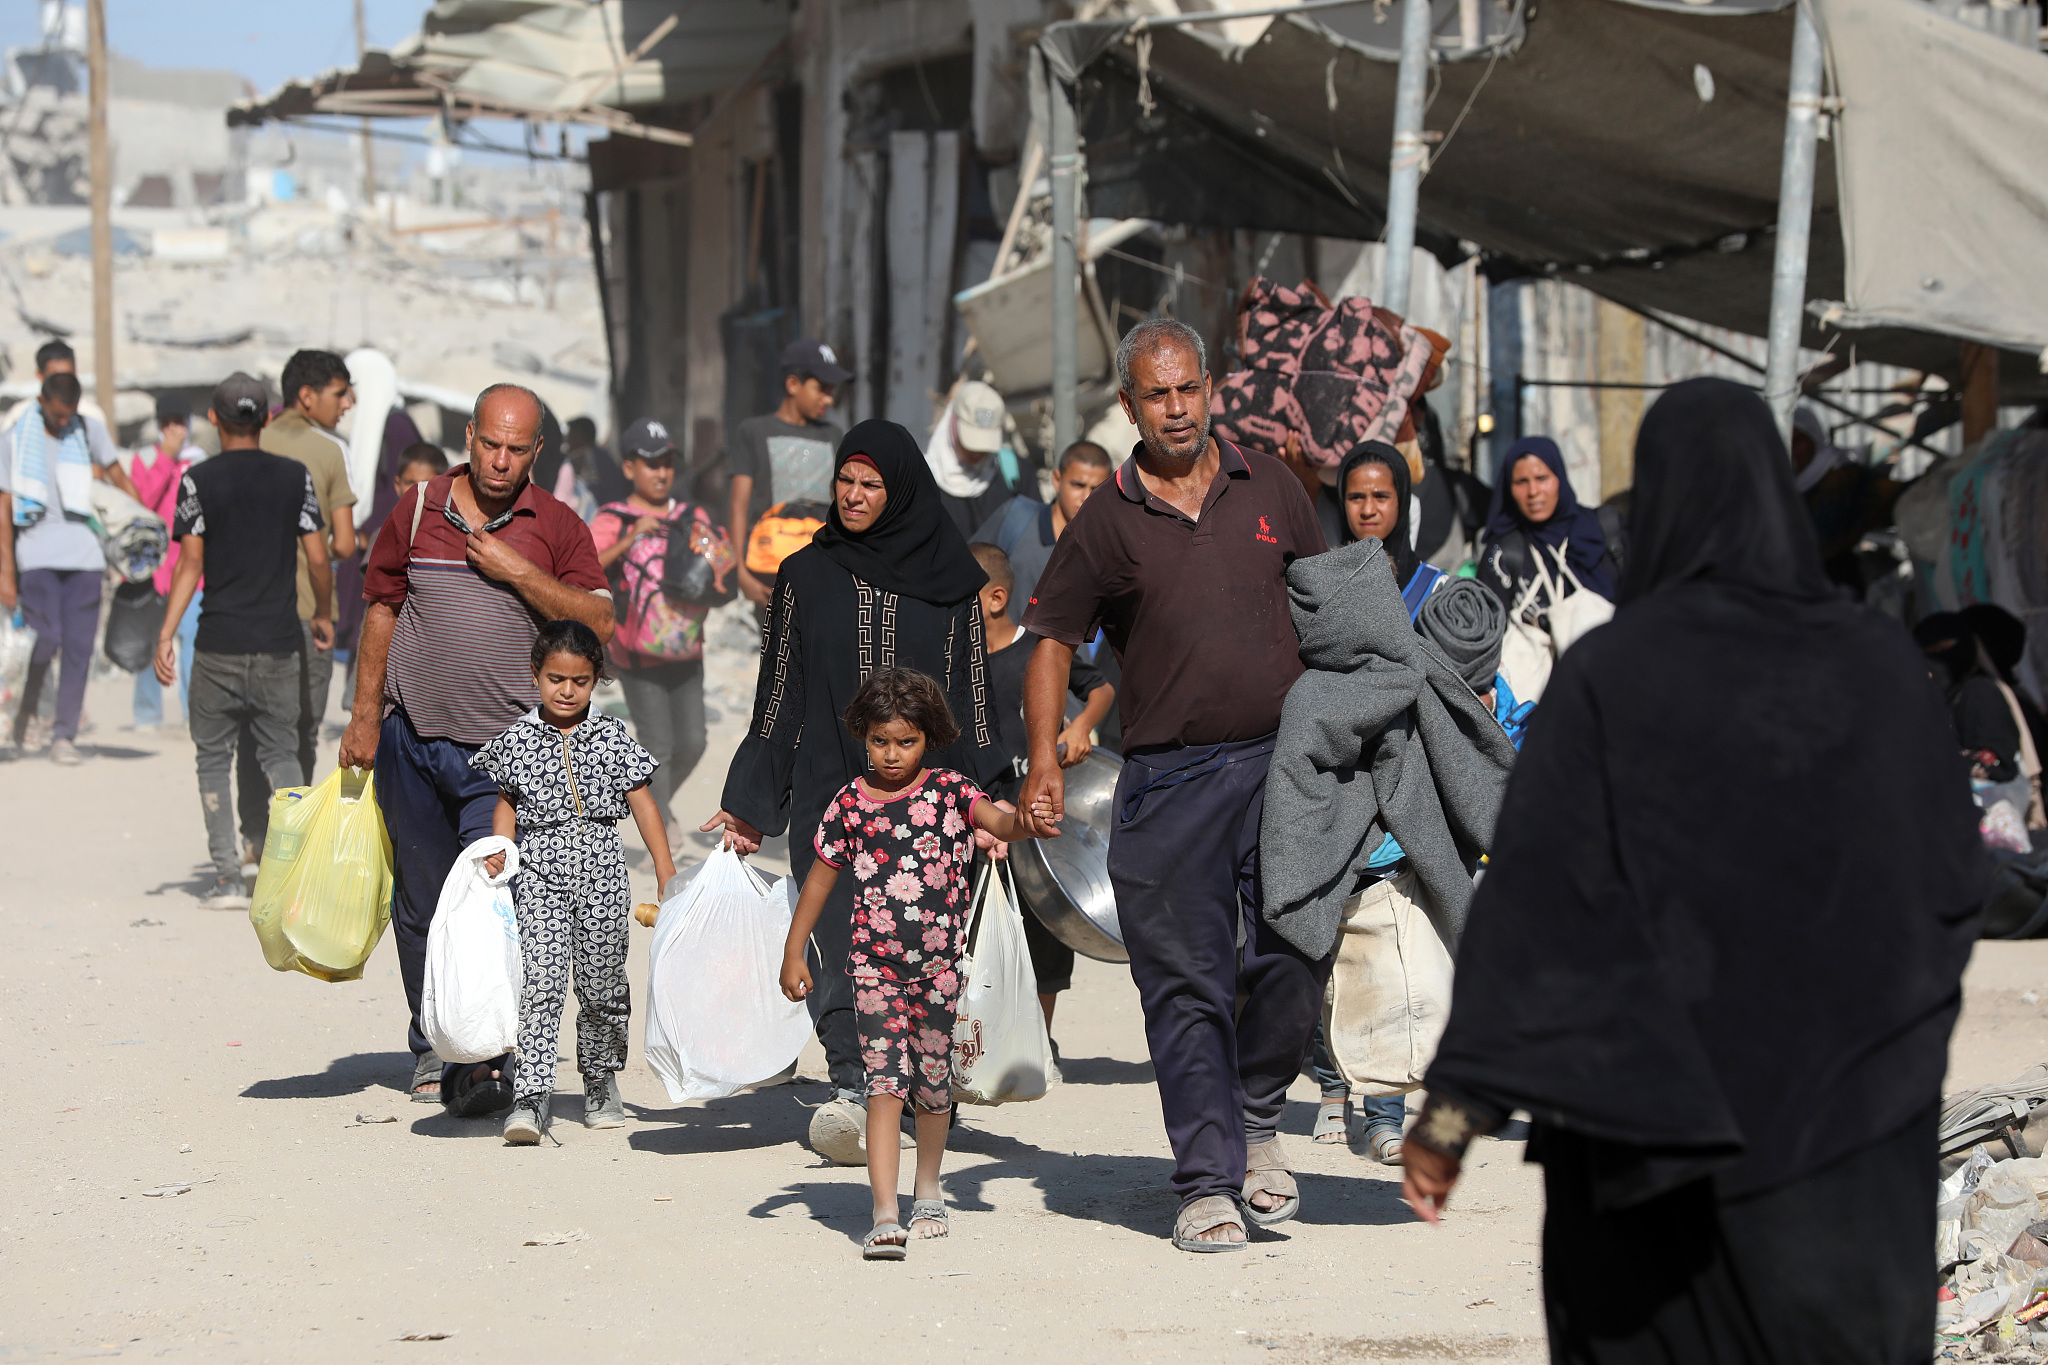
(1980, 391)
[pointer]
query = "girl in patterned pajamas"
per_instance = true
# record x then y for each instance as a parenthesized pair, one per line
(907, 832)
(565, 779)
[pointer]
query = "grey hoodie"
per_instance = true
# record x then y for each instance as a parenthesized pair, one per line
(1378, 737)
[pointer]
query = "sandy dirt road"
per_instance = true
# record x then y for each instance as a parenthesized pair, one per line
(143, 1042)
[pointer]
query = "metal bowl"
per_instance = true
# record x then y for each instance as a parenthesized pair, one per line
(1065, 881)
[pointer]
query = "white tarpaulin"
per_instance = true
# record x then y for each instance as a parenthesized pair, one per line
(566, 54)
(1942, 152)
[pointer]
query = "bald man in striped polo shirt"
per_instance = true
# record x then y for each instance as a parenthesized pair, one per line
(468, 567)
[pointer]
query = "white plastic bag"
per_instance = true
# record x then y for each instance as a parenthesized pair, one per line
(1001, 1053)
(17, 644)
(717, 1021)
(469, 1009)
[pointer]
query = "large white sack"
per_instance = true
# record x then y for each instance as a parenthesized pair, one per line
(717, 1021)
(1001, 1052)
(469, 1008)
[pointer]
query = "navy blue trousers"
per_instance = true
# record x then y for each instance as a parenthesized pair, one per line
(1184, 860)
(435, 805)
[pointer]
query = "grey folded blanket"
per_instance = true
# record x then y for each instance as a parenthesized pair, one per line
(1467, 623)
(1380, 737)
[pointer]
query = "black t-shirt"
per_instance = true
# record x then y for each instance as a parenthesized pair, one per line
(250, 508)
(1006, 683)
(788, 463)
(1196, 610)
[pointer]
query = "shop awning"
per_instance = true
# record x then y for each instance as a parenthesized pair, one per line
(1630, 146)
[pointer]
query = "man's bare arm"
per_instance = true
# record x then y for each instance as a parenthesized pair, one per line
(117, 476)
(320, 574)
(1042, 803)
(366, 717)
(8, 589)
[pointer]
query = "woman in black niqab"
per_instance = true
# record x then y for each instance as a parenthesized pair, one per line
(898, 592)
(1718, 950)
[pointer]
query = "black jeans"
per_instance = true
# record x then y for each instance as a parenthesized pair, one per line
(435, 805)
(1184, 859)
(831, 998)
(250, 703)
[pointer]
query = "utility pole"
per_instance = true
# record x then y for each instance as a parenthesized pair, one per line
(1404, 170)
(1795, 221)
(369, 147)
(101, 167)
(1064, 140)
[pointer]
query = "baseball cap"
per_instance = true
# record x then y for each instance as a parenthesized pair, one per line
(646, 439)
(241, 399)
(814, 358)
(978, 410)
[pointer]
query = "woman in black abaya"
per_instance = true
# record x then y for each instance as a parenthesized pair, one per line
(1719, 949)
(887, 582)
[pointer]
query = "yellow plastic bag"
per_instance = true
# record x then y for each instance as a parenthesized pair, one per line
(323, 893)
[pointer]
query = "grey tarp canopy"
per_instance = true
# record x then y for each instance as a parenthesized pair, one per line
(1944, 170)
(1590, 152)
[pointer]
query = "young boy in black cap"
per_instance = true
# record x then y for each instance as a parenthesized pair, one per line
(784, 457)
(242, 518)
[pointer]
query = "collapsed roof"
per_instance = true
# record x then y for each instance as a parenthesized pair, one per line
(1630, 145)
(571, 60)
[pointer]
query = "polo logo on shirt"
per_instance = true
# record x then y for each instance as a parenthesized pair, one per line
(1266, 533)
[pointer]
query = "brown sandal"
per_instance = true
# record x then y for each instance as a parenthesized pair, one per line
(1267, 1172)
(1206, 1215)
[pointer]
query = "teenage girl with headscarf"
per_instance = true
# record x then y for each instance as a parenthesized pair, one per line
(1537, 526)
(888, 581)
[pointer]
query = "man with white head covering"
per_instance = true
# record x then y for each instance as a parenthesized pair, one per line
(976, 472)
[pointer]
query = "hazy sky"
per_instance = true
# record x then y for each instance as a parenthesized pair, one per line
(267, 41)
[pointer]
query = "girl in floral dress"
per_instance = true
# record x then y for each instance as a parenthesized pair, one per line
(907, 833)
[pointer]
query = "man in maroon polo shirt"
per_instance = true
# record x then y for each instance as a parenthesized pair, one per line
(467, 568)
(1182, 563)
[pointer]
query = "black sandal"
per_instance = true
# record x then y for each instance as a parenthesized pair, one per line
(474, 1095)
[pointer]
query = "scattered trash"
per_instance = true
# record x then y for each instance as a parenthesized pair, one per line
(2029, 998)
(664, 1199)
(176, 1187)
(236, 1043)
(371, 1118)
(1480, 1303)
(426, 1336)
(1994, 1112)
(145, 923)
(558, 1239)
(186, 1148)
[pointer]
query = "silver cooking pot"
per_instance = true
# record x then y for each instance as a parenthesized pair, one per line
(1065, 881)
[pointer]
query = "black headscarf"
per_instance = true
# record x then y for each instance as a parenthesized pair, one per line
(913, 549)
(1571, 528)
(1401, 545)
(1726, 917)
(1718, 500)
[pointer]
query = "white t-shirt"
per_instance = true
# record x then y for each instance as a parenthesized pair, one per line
(56, 541)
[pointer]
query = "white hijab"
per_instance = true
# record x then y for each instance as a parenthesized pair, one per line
(955, 478)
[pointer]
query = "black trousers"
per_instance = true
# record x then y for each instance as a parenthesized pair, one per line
(1832, 1269)
(831, 998)
(1184, 860)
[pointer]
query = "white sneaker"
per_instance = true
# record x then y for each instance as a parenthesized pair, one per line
(65, 752)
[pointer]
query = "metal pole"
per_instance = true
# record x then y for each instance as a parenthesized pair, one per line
(1065, 167)
(1795, 223)
(1404, 171)
(101, 169)
(369, 147)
